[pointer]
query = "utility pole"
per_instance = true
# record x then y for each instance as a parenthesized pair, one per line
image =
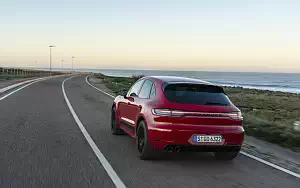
(51, 46)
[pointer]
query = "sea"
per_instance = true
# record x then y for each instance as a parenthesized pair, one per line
(284, 82)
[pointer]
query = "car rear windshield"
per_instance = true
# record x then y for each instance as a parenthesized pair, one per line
(196, 94)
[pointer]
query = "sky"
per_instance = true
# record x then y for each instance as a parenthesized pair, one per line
(214, 35)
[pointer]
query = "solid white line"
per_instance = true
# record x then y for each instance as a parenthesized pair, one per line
(86, 80)
(32, 82)
(110, 171)
(271, 164)
(18, 84)
(242, 152)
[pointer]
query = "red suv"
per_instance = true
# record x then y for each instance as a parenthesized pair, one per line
(178, 114)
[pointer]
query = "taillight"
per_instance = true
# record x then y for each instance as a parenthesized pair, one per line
(236, 115)
(167, 112)
(179, 113)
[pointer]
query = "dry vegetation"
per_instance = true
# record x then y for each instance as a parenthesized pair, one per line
(267, 115)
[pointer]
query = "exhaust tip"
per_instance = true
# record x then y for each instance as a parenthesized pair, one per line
(177, 149)
(169, 149)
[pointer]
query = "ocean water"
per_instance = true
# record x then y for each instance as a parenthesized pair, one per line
(284, 82)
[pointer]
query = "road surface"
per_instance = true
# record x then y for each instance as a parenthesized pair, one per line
(43, 146)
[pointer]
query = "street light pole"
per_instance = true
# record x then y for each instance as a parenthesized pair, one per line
(72, 63)
(62, 64)
(51, 46)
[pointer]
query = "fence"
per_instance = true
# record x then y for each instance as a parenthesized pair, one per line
(8, 73)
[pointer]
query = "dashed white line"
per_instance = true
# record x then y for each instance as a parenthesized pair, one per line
(244, 153)
(110, 171)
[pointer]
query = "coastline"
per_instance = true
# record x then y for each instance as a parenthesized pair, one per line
(274, 153)
(282, 82)
(254, 80)
(268, 115)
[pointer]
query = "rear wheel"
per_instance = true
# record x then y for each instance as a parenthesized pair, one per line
(114, 123)
(145, 149)
(226, 155)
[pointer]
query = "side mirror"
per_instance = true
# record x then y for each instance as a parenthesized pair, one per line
(133, 95)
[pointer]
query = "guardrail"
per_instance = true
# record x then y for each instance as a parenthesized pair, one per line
(9, 73)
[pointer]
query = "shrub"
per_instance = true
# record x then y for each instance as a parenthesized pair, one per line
(99, 75)
(267, 115)
(137, 77)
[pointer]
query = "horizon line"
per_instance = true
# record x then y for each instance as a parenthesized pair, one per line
(145, 69)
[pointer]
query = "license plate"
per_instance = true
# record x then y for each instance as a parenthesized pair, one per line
(208, 139)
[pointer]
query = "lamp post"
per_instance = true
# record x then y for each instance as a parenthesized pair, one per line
(73, 63)
(51, 46)
(62, 64)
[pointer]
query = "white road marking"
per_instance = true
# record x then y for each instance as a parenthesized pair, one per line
(242, 152)
(31, 82)
(110, 171)
(18, 84)
(271, 164)
(86, 79)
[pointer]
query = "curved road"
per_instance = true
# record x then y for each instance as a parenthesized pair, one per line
(42, 146)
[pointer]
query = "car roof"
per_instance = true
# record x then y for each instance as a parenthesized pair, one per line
(176, 79)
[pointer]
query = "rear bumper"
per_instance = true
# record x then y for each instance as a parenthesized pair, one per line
(198, 148)
(161, 136)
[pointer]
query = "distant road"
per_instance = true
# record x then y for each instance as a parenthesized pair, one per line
(43, 146)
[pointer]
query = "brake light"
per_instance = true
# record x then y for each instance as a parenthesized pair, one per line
(236, 115)
(167, 112)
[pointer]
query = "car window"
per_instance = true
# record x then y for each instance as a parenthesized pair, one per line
(145, 91)
(152, 92)
(136, 88)
(196, 94)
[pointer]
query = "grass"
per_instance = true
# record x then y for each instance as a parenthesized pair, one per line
(267, 115)
(118, 85)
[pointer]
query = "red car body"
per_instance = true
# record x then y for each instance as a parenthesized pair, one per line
(176, 124)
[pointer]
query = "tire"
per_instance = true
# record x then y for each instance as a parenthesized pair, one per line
(146, 152)
(114, 123)
(226, 156)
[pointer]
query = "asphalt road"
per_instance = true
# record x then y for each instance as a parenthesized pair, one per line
(42, 146)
